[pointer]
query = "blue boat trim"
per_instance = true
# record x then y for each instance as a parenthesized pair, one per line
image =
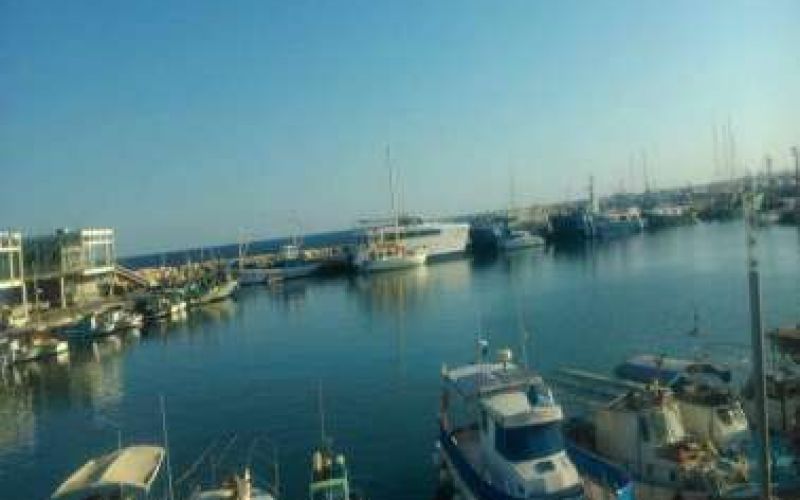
(601, 471)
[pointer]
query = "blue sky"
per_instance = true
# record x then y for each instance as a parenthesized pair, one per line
(182, 123)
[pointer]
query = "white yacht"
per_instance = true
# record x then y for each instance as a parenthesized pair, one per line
(509, 444)
(387, 256)
(440, 240)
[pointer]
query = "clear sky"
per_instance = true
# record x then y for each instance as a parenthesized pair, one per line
(181, 123)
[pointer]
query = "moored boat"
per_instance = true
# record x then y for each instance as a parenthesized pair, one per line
(104, 322)
(378, 257)
(330, 479)
(510, 445)
(518, 239)
(207, 292)
(235, 487)
(439, 240)
(641, 428)
(709, 408)
(290, 263)
(661, 216)
(124, 474)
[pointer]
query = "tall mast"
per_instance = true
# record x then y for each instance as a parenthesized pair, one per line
(321, 413)
(757, 332)
(395, 215)
(796, 154)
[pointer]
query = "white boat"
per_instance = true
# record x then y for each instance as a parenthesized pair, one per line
(237, 487)
(383, 256)
(439, 240)
(290, 264)
(510, 445)
(518, 239)
(709, 408)
(641, 428)
(124, 474)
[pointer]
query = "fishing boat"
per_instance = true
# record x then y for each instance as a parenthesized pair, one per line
(510, 444)
(518, 239)
(661, 216)
(329, 477)
(102, 323)
(617, 223)
(124, 474)
(159, 306)
(709, 408)
(209, 291)
(571, 225)
(235, 487)
(640, 427)
(387, 256)
(291, 263)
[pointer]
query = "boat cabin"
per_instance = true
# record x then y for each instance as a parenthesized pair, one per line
(511, 438)
(708, 407)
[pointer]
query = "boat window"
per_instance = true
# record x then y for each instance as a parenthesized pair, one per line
(529, 442)
(545, 466)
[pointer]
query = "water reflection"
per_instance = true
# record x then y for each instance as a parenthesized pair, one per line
(290, 295)
(394, 292)
(89, 376)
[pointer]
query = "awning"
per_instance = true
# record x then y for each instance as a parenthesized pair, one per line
(134, 467)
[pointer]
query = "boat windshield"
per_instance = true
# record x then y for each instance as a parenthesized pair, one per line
(530, 442)
(332, 492)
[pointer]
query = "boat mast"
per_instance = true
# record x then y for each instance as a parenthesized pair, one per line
(166, 448)
(796, 154)
(395, 215)
(321, 414)
(757, 332)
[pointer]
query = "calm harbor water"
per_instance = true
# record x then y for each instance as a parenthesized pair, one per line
(252, 366)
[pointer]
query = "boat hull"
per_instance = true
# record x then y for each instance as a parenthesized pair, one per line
(471, 486)
(391, 264)
(263, 275)
(521, 243)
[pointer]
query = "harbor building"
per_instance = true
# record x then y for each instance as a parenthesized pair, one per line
(70, 267)
(13, 299)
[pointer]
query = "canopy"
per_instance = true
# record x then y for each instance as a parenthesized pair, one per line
(134, 467)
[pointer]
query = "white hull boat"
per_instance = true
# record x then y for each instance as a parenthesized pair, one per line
(517, 240)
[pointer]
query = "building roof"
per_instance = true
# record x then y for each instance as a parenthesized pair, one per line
(134, 467)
